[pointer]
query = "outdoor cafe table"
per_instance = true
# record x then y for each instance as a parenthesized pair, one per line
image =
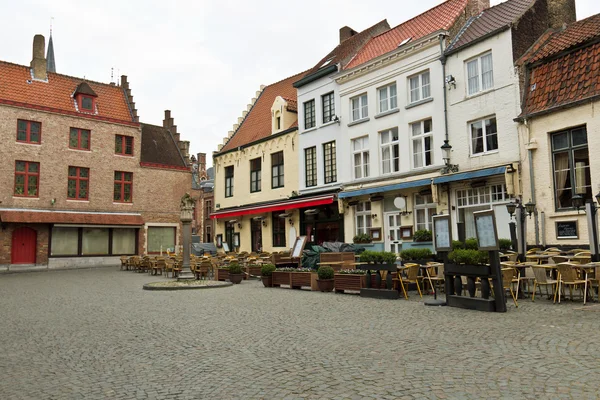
(586, 268)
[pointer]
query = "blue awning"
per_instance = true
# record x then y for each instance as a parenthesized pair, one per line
(469, 175)
(387, 188)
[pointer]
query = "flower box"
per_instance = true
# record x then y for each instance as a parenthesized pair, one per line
(299, 279)
(353, 282)
(222, 274)
(281, 278)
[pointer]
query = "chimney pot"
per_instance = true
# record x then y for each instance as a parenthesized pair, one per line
(346, 33)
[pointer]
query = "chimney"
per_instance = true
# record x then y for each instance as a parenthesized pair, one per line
(475, 7)
(561, 12)
(169, 123)
(202, 163)
(346, 33)
(38, 62)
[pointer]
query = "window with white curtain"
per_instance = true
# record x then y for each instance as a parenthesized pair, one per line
(424, 209)
(480, 74)
(420, 87)
(390, 151)
(360, 156)
(94, 241)
(388, 98)
(161, 238)
(64, 241)
(362, 214)
(422, 143)
(571, 166)
(359, 107)
(484, 136)
(472, 200)
(123, 241)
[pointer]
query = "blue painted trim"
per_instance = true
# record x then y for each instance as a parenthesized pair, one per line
(388, 188)
(469, 175)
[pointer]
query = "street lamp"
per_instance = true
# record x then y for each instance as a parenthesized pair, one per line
(520, 210)
(187, 209)
(591, 209)
(446, 150)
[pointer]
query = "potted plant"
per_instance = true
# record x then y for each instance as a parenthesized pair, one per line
(266, 272)
(235, 273)
(325, 281)
(349, 279)
(504, 244)
(422, 235)
(418, 255)
(362, 238)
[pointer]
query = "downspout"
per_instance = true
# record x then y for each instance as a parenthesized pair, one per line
(442, 36)
(532, 184)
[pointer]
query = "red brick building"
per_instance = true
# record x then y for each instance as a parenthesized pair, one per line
(82, 181)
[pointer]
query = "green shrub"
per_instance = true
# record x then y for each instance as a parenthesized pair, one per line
(377, 257)
(325, 272)
(471, 244)
(362, 238)
(468, 256)
(267, 269)
(415, 254)
(235, 268)
(457, 245)
(505, 244)
(422, 235)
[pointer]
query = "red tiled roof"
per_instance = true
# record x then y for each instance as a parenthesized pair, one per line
(437, 18)
(257, 124)
(18, 88)
(490, 20)
(556, 41)
(52, 217)
(292, 105)
(566, 79)
(344, 51)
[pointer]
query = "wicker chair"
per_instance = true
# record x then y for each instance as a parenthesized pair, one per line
(542, 279)
(567, 275)
(412, 276)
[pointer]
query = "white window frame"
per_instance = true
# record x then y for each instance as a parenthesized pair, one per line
(420, 136)
(484, 136)
(360, 151)
(387, 100)
(474, 73)
(389, 145)
(422, 91)
(359, 107)
(424, 204)
(362, 212)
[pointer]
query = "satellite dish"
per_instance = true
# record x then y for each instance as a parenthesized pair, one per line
(400, 203)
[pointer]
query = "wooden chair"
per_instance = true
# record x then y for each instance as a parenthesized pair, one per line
(542, 279)
(412, 276)
(436, 279)
(508, 279)
(124, 261)
(177, 268)
(159, 265)
(567, 275)
(169, 264)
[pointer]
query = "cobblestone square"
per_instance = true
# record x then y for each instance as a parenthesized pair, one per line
(95, 334)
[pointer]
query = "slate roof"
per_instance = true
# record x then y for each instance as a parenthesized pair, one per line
(491, 20)
(159, 147)
(257, 123)
(344, 51)
(440, 17)
(18, 88)
(564, 68)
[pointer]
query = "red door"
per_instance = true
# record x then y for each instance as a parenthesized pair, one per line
(23, 246)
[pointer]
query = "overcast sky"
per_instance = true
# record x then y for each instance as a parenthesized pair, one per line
(204, 59)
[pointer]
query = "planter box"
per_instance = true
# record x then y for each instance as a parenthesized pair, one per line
(252, 270)
(299, 279)
(222, 274)
(281, 278)
(344, 282)
(313, 281)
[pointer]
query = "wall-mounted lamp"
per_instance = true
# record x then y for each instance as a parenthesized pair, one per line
(451, 81)
(336, 119)
(373, 216)
(529, 208)
(446, 150)
(291, 221)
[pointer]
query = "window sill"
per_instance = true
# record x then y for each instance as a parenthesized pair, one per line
(359, 121)
(28, 143)
(124, 155)
(74, 149)
(388, 112)
(418, 103)
(314, 128)
(78, 201)
(327, 124)
(26, 197)
(566, 213)
(122, 203)
(472, 96)
(486, 153)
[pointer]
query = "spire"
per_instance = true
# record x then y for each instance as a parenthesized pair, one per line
(50, 64)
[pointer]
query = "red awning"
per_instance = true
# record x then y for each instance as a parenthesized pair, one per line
(53, 217)
(279, 206)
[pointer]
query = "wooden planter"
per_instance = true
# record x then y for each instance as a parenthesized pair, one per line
(344, 282)
(252, 270)
(299, 279)
(222, 274)
(281, 278)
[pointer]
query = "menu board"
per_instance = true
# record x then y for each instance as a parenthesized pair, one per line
(485, 226)
(441, 229)
(566, 230)
(298, 246)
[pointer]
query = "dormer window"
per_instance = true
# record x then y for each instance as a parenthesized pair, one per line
(85, 98)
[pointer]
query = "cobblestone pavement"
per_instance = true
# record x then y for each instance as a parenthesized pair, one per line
(95, 334)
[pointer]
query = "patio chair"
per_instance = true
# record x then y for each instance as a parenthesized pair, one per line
(412, 276)
(124, 260)
(567, 275)
(508, 279)
(542, 279)
(583, 257)
(159, 265)
(437, 279)
(169, 264)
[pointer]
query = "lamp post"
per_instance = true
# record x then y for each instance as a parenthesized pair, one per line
(446, 150)
(591, 210)
(187, 209)
(517, 209)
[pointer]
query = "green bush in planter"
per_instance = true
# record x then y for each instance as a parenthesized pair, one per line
(415, 254)
(325, 272)
(267, 269)
(422, 235)
(504, 244)
(471, 244)
(457, 245)
(377, 257)
(468, 256)
(235, 268)
(362, 238)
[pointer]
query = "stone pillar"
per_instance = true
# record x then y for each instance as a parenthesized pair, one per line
(187, 209)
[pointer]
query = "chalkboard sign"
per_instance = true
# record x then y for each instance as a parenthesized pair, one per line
(566, 230)
(298, 247)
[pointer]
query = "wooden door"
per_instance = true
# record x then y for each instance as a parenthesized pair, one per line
(23, 246)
